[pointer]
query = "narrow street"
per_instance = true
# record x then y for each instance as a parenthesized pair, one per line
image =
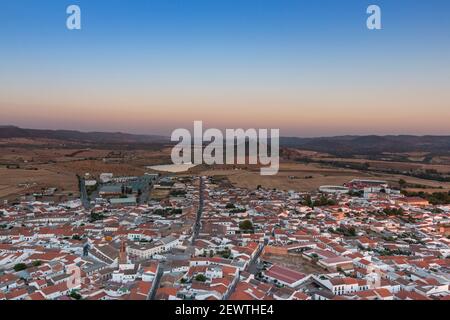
(197, 225)
(83, 193)
(156, 282)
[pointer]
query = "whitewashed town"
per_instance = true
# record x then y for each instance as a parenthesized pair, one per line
(208, 240)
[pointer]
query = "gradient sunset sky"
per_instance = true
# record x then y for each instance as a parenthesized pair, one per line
(310, 68)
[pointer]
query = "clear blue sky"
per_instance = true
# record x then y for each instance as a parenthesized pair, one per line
(294, 58)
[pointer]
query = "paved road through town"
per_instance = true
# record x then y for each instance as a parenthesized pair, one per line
(83, 193)
(201, 200)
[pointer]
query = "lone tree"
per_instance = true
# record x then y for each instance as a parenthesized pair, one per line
(308, 202)
(230, 206)
(246, 225)
(402, 183)
(226, 253)
(200, 277)
(75, 295)
(19, 267)
(352, 231)
(37, 263)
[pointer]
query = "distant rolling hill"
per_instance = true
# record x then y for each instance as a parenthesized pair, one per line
(340, 145)
(7, 132)
(351, 145)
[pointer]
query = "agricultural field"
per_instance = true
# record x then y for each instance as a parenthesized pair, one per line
(401, 166)
(292, 176)
(25, 169)
(31, 168)
(19, 181)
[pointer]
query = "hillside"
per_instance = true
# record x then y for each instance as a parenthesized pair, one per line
(7, 132)
(340, 145)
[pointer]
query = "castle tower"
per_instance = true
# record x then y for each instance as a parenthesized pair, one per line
(123, 257)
